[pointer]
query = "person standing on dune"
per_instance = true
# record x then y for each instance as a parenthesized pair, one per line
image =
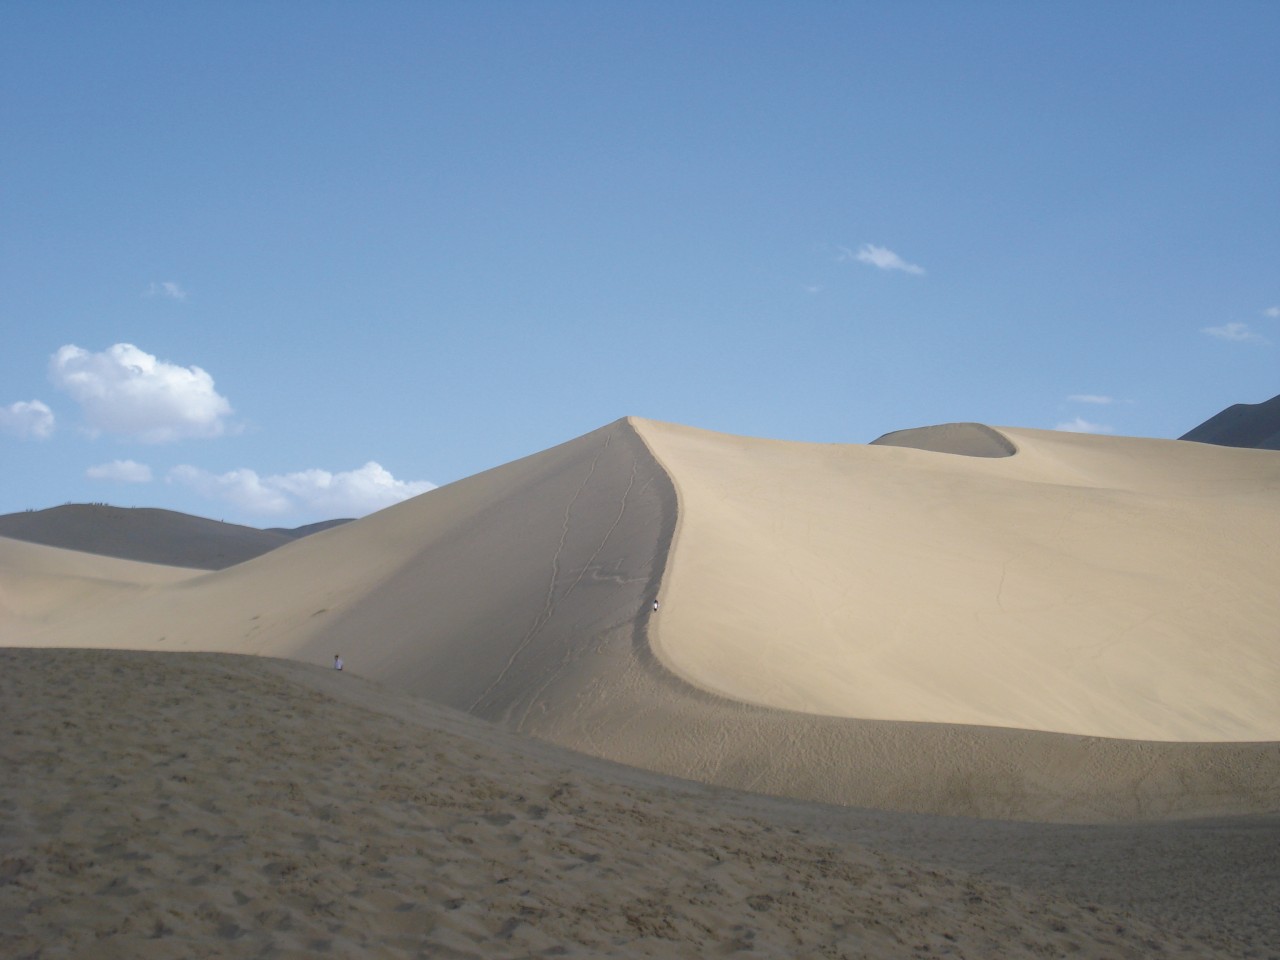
(337, 662)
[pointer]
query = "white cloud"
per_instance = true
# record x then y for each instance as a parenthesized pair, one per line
(1272, 312)
(1081, 425)
(169, 289)
(1233, 331)
(123, 471)
(241, 487)
(27, 419)
(126, 391)
(351, 493)
(1090, 398)
(357, 491)
(880, 258)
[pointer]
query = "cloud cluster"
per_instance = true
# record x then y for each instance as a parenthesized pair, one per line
(27, 420)
(128, 392)
(121, 471)
(880, 258)
(353, 493)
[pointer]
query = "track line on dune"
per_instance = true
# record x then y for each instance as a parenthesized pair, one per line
(548, 608)
(569, 655)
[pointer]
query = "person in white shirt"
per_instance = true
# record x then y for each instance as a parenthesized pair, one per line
(337, 662)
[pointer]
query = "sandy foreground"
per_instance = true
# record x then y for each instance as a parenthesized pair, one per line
(159, 805)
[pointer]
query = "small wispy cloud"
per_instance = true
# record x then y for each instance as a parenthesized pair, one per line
(169, 289)
(27, 420)
(1238, 332)
(881, 258)
(1081, 425)
(812, 289)
(1272, 312)
(122, 471)
(1096, 398)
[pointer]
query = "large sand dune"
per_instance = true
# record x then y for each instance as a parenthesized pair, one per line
(1091, 585)
(1006, 623)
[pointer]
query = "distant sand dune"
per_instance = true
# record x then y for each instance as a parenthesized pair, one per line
(1020, 635)
(148, 535)
(963, 439)
(39, 582)
(1242, 425)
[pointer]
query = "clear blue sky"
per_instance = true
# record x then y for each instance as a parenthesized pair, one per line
(248, 249)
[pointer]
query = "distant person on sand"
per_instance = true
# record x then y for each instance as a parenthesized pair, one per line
(337, 662)
(655, 606)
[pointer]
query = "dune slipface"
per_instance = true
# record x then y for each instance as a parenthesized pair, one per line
(1009, 623)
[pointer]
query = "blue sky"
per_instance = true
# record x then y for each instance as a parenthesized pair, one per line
(275, 262)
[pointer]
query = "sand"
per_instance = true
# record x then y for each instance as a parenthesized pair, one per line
(1103, 587)
(1078, 630)
(218, 806)
(152, 536)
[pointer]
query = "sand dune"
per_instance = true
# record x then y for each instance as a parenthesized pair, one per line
(1009, 623)
(152, 536)
(1242, 425)
(213, 806)
(962, 439)
(1099, 586)
(38, 582)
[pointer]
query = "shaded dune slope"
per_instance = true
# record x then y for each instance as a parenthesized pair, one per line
(149, 535)
(524, 596)
(505, 594)
(1242, 425)
(962, 439)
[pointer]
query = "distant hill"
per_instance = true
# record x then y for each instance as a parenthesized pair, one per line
(293, 533)
(150, 535)
(1242, 425)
